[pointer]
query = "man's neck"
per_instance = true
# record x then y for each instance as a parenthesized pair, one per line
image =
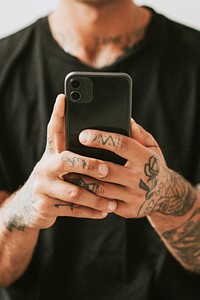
(98, 34)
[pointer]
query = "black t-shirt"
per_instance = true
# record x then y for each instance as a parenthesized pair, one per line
(114, 258)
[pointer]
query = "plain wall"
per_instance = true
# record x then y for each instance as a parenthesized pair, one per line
(15, 14)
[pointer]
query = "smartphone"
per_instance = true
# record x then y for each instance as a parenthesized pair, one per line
(97, 100)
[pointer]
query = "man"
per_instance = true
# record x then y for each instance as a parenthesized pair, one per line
(136, 237)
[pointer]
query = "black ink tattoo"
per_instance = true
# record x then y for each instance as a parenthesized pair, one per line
(185, 239)
(176, 197)
(107, 140)
(24, 211)
(127, 40)
(170, 196)
(116, 40)
(49, 146)
(15, 222)
(92, 187)
(151, 170)
(74, 160)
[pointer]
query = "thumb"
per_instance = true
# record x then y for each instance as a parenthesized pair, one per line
(56, 127)
(142, 136)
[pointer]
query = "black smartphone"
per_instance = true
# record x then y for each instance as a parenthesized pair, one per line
(97, 100)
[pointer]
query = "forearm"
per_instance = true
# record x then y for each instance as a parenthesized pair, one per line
(177, 221)
(17, 244)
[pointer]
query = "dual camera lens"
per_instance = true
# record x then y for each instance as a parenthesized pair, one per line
(75, 94)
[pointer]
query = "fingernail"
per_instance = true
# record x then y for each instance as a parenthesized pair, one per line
(84, 137)
(104, 214)
(112, 205)
(103, 169)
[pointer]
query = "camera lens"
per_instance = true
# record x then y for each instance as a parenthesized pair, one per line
(75, 83)
(75, 96)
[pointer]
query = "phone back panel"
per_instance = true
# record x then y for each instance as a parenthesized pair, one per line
(107, 107)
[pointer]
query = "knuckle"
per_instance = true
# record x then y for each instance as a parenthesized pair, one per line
(41, 206)
(90, 164)
(74, 194)
(123, 144)
(100, 190)
(92, 213)
(100, 203)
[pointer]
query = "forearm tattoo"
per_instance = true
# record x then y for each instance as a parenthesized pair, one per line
(23, 212)
(185, 239)
(171, 195)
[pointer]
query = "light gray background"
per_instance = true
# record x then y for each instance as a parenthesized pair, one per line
(15, 14)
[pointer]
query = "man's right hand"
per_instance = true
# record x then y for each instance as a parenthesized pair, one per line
(46, 195)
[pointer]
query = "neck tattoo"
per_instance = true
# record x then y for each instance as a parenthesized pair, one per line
(127, 41)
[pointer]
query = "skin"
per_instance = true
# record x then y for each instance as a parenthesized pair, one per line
(109, 31)
(66, 184)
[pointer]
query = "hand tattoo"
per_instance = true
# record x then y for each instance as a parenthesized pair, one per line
(74, 160)
(79, 181)
(49, 146)
(170, 196)
(89, 186)
(107, 140)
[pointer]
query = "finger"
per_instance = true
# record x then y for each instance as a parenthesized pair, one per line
(56, 127)
(141, 135)
(123, 146)
(68, 162)
(99, 188)
(51, 208)
(70, 193)
(62, 209)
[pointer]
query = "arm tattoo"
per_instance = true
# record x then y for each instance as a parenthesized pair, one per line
(14, 222)
(170, 196)
(185, 239)
(24, 211)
